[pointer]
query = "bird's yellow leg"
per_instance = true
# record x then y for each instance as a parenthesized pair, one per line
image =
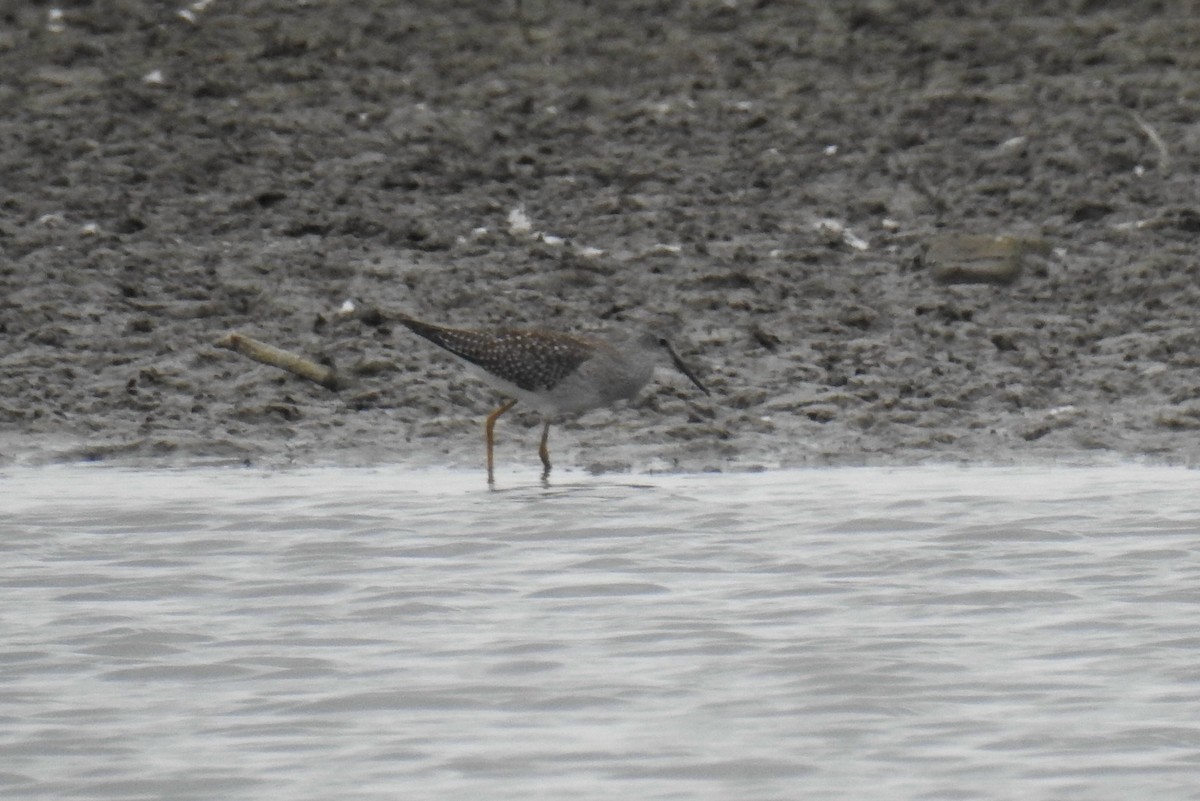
(543, 451)
(488, 428)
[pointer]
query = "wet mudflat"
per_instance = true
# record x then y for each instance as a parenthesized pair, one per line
(769, 176)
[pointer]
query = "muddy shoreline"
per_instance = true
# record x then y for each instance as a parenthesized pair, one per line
(770, 179)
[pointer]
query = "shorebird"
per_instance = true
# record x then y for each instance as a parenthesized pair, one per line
(555, 373)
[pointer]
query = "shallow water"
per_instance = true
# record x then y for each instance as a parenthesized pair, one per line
(371, 634)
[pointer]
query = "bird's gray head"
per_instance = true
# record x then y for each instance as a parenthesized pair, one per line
(651, 340)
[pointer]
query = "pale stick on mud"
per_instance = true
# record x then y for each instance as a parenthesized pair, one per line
(277, 357)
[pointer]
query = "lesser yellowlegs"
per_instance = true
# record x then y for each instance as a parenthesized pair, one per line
(554, 373)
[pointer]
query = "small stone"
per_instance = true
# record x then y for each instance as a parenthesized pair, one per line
(975, 259)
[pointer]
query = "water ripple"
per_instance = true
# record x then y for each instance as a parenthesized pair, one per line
(838, 634)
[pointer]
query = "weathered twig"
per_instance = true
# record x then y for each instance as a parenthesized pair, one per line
(1164, 157)
(277, 357)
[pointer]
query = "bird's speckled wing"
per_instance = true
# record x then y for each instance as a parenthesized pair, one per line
(532, 360)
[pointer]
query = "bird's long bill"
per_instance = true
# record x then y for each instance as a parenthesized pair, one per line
(683, 368)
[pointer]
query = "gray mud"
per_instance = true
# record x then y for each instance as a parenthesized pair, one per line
(769, 176)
